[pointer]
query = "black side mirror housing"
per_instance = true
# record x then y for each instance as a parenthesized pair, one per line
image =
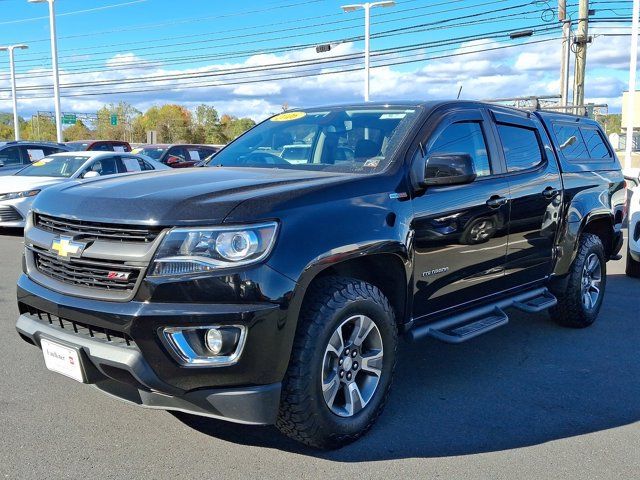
(449, 169)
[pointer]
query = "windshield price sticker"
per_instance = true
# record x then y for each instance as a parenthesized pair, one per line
(287, 117)
(41, 163)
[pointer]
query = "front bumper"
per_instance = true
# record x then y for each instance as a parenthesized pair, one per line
(14, 212)
(122, 372)
(125, 357)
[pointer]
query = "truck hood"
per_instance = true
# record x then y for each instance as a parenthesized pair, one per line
(173, 197)
(16, 183)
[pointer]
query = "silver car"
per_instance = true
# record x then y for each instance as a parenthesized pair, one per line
(18, 191)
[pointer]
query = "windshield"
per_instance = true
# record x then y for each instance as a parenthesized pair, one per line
(359, 140)
(60, 167)
(154, 152)
(77, 147)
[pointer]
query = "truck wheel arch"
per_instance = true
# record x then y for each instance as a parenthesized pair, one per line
(389, 271)
(601, 225)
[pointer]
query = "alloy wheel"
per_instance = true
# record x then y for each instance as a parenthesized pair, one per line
(352, 366)
(591, 281)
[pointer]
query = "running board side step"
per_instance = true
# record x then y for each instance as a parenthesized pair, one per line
(470, 324)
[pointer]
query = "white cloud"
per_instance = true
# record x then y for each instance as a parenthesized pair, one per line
(519, 71)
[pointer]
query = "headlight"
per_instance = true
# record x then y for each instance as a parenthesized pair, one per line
(11, 196)
(198, 250)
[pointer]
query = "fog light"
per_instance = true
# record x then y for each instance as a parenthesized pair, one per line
(213, 340)
(212, 346)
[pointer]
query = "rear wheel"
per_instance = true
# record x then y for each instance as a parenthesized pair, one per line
(579, 304)
(341, 365)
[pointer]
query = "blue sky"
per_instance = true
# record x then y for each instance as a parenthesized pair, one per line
(118, 42)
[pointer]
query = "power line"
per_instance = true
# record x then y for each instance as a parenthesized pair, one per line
(421, 57)
(289, 64)
(117, 66)
(281, 30)
(392, 32)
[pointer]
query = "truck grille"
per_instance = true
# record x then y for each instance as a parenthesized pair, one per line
(87, 273)
(78, 328)
(95, 230)
(9, 214)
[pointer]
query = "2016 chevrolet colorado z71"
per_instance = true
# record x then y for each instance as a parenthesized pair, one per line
(263, 291)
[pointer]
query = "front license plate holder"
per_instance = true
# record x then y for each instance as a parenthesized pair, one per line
(63, 359)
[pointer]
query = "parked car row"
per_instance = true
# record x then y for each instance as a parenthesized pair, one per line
(178, 155)
(17, 155)
(18, 191)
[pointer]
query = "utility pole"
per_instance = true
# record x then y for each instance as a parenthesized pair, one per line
(565, 60)
(631, 104)
(582, 39)
(12, 68)
(54, 65)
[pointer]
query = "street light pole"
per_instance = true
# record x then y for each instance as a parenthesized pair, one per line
(633, 63)
(367, 22)
(54, 64)
(12, 67)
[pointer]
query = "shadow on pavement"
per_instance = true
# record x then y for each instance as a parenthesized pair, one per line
(11, 232)
(528, 383)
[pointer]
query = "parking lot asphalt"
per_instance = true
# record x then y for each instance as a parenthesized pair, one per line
(530, 400)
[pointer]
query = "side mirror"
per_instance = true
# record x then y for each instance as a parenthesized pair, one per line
(1, 163)
(172, 160)
(91, 174)
(449, 169)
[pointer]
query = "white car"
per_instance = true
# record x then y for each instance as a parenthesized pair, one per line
(633, 250)
(17, 191)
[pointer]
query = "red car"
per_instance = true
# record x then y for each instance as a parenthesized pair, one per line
(99, 145)
(177, 156)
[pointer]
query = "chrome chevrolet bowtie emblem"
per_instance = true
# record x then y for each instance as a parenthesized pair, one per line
(65, 247)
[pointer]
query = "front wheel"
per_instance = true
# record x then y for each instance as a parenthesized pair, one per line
(579, 304)
(341, 365)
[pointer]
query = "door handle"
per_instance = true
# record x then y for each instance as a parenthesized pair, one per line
(550, 193)
(496, 201)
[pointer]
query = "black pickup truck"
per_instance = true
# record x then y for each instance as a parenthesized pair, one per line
(263, 291)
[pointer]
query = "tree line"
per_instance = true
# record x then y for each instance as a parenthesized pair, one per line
(172, 124)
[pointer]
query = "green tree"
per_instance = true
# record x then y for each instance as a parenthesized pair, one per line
(79, 131)
(126, 114)
(611, 123)
(206, 126)
(172, 122)
(6, 132)
(39, 128)
(234, 127)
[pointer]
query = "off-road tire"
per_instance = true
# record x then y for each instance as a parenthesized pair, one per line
(304, 415)
(570, 310)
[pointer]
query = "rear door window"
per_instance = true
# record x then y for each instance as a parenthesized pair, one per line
(10, 156)
(595, 144)
(570, 141)
(131, 164)
(521, 147)
(33, 153)
(102, 147)
(177, 152)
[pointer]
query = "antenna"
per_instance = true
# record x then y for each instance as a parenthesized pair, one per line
(459, 92)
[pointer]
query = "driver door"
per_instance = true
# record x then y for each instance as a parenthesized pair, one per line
(460, 231)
